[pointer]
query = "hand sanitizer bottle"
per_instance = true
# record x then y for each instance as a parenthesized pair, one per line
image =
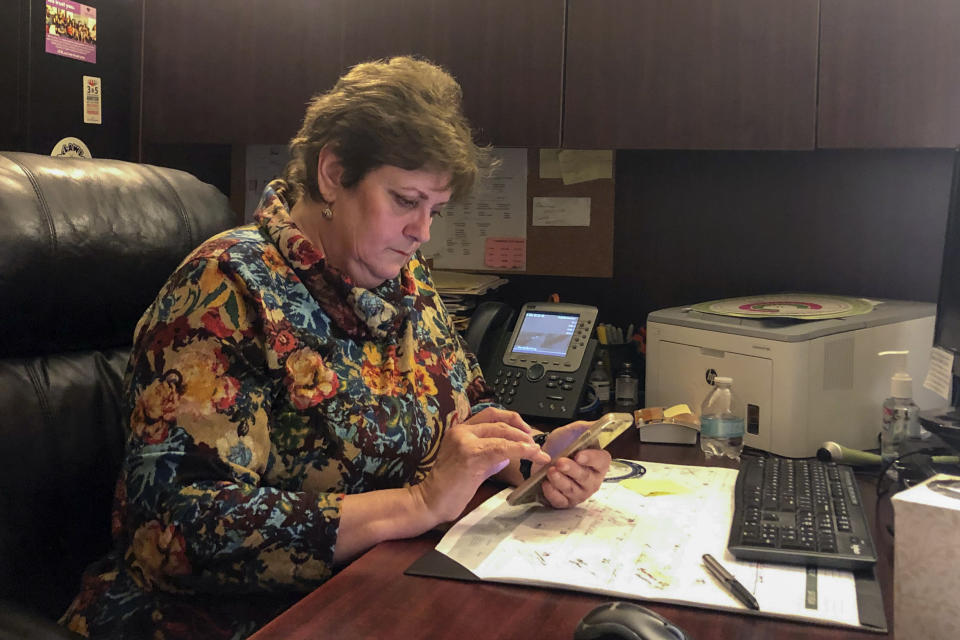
(900, 414)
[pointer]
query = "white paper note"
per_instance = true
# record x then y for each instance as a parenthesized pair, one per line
(92, 100)
(940, 373)
(561, 212)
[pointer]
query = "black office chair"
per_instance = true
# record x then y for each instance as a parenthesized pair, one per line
(84, 247)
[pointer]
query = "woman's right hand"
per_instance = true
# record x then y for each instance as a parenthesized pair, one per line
(468, 455)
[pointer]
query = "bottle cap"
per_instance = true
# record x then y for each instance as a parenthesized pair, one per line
(901, 383)
(723, 380)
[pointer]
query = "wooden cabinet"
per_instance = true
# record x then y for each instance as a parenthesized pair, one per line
(635, 74)
(691, 74)
(507, 56)
(227, 71)
(222, 71)
(13, 52)
(889, 73)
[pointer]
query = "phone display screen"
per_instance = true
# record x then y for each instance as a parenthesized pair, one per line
(545, 334)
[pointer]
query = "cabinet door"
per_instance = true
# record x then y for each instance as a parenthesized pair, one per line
(13, 49)
(507, 56)
(225, 71)
(889, 73)
(691, 74)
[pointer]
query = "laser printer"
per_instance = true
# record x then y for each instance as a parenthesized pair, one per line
(803, 381)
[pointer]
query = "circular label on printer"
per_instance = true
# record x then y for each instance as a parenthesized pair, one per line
(803, 306)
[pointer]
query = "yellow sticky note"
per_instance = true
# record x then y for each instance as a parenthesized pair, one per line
(655, 486)
(676, 410)
(584, 165)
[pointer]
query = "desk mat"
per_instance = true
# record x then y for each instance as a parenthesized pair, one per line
(646, 554)
(434, 564)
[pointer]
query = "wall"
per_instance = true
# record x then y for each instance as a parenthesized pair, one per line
(696, 226)
(11, 82)
(690, 226)
(43, 93)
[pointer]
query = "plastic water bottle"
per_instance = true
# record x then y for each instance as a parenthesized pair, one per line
(600, 381)
(722, 421)
(627, 387)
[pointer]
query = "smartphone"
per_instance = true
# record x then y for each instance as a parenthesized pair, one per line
(597, 436)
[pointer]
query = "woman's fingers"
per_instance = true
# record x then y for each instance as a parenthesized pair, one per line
(495, 442)
(493, 414)
(570, 482)
(497, 430)
(498, 439)
(562, 437)
(596, 460)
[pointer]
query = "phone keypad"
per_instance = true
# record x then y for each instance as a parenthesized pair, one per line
(550, 396)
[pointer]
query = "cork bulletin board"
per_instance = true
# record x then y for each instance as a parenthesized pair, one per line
(570, 251)
(585, 251)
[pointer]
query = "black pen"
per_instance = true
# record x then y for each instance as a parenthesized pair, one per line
(729, 583)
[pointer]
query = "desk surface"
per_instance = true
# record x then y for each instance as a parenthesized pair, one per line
(371, 598)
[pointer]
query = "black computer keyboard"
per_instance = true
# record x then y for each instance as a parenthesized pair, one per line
(802, 511)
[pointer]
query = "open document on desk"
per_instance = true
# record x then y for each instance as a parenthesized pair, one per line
(644, 538)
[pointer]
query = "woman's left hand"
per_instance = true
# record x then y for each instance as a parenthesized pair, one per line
(571, 481)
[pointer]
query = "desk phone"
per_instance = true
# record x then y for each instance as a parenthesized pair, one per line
(546, 361)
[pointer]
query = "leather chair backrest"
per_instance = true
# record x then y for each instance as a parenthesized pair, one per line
(85, 246)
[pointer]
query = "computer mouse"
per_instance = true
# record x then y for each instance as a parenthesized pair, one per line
(626, 621)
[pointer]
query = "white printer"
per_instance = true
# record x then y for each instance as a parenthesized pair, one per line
(803, 381)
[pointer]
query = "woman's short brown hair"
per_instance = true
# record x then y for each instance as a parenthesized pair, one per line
(403, 111)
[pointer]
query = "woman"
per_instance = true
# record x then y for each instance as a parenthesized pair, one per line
(297, 391)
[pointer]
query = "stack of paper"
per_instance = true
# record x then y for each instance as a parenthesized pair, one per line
(460, 291)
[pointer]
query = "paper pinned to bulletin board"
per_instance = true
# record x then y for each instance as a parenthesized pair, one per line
(573, 236)
(505, 253)
(564, 229)
(496, 209)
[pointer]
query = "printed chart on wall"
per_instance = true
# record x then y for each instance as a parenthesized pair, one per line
(802, 306)
(488, 230)
(71, 30)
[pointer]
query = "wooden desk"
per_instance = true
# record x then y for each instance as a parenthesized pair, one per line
(371, 598)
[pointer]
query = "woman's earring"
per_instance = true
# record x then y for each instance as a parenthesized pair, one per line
(327, 213)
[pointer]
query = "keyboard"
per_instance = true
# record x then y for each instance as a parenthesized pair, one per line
(800, 511)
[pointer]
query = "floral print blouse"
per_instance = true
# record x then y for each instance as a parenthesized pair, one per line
(263, 386)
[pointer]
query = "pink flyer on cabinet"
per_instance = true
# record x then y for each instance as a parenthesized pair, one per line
(71, 30)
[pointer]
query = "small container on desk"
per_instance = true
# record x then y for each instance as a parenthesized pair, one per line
(616, 355)
(667, 425)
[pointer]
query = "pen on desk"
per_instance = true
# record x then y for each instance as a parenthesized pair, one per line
(729, 583)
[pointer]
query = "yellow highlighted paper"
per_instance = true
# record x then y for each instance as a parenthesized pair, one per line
(652, 486)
